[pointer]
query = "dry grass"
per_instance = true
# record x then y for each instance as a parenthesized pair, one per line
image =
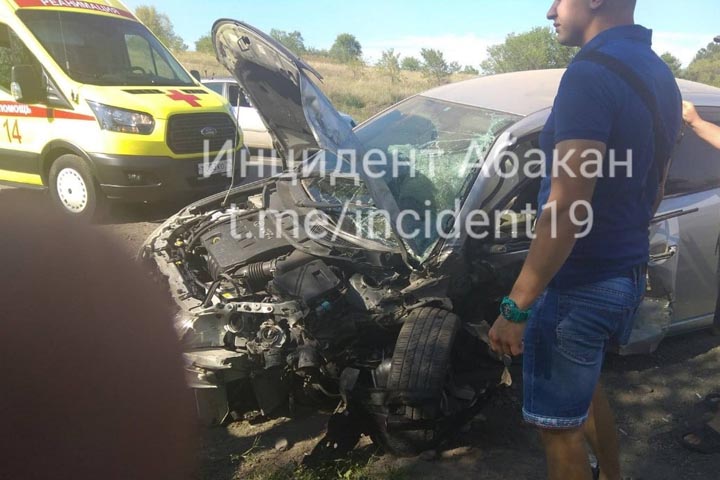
(358, 90)
(206, 64)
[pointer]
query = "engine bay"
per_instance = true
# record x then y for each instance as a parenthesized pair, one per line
(270, 319)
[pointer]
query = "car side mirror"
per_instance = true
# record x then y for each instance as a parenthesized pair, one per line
(196, 75)
(27, 85)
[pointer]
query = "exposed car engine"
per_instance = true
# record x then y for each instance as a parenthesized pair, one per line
(255, 306)
(270, 320)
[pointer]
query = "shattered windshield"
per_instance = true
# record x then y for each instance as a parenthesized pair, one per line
(427, 152)
(105, 51)
(356, 212)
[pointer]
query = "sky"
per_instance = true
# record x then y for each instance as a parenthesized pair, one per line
(462, 29)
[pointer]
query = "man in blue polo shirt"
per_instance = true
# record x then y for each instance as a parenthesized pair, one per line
(584, 292)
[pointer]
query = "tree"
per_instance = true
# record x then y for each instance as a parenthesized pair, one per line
(161, 26)
(293, 41)
(318, 52)
(434, 65)
(673, 62)
(204, 44)
(534, 50)
(389, 63)
(470, 70)
(709, 52)
(705, 68)
(454, 67)
(411, 64)
(346, 49)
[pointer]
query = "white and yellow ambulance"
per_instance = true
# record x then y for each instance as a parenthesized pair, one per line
(94, 108)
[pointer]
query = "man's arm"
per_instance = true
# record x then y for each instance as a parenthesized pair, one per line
(548, 252)
(556, 232)
(704, 129)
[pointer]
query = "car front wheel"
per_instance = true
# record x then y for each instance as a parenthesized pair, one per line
(74, 190)
(420, 365)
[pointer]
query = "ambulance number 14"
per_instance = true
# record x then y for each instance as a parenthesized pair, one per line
(13, 133)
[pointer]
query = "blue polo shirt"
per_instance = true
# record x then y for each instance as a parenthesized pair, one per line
(593, 103)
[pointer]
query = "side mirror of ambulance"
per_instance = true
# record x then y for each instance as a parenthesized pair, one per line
(27, 85)
(196, 75)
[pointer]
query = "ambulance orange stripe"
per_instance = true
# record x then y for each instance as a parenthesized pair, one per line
(14, 109)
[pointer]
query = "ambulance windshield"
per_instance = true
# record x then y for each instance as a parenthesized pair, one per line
(106, 51)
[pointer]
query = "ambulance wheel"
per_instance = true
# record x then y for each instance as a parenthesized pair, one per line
(74, 189)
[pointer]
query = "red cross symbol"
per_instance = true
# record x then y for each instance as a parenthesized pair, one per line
(178, 96)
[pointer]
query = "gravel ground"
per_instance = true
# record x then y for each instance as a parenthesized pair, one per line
(654, 396)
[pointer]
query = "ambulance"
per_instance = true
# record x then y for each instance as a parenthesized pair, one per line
(93, 108)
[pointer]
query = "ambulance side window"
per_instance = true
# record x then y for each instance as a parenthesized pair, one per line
(12, 52)
(143, 56)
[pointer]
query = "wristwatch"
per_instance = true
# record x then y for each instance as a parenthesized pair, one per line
(510, 311)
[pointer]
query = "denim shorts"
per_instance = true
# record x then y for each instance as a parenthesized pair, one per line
(565, 344)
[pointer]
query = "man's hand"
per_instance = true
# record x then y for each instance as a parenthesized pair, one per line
(690, 115)
(708, 131)
(506, 338)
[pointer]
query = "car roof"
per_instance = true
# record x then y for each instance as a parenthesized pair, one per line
(523, 93)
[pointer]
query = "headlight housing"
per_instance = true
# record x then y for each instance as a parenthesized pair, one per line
(124, 121)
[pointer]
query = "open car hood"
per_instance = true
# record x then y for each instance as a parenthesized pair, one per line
(298, 115)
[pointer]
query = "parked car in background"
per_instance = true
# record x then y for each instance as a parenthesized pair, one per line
(255, 133)
(395, 326)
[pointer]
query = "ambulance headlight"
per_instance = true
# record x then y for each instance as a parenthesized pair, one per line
(121, 120)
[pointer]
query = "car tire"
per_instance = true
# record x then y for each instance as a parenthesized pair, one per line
(420, 364)
(74, 190)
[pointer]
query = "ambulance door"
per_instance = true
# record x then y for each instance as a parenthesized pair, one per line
(23, 128)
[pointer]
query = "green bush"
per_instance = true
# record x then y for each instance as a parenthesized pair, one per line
(348, 101)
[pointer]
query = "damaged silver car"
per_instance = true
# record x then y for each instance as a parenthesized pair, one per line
(337, 305)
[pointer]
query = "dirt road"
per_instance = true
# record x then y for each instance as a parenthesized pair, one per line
(655, 397)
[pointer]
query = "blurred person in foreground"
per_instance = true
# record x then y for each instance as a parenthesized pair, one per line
(706, 439)
(90, 365)
(584, 292)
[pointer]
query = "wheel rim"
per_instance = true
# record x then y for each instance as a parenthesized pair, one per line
(72, 190)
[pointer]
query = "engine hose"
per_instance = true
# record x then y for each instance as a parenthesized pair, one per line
(211, 293)
(257, 275)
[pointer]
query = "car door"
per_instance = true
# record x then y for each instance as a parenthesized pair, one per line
(682, 284)
(694, 187)
(654, 317)
(21, 126)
